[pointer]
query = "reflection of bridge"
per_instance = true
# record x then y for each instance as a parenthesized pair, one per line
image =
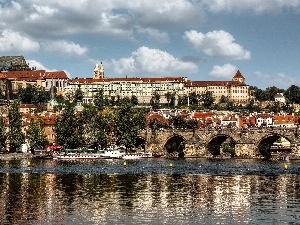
(250, 142)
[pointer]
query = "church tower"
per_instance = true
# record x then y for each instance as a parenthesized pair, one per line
(98, 71)
(239, 77)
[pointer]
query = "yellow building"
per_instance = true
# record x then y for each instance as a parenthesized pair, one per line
(235, 90)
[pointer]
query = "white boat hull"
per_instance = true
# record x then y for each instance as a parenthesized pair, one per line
(137, 156)
(78, 157)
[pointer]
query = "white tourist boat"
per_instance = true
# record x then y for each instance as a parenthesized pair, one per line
(77, 156)
(137, 155)
(112, 153)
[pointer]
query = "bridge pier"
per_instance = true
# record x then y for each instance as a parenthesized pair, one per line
(245, 150)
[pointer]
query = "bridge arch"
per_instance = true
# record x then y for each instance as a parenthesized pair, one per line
(265, 143)
(214, 145)
(175, 146)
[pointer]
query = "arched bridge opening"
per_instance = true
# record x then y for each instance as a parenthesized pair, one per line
(140, 143)
(175, 146)
(221, 145)
(274, 146)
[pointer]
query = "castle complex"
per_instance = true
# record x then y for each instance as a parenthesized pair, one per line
(143, 88)
(14, 76)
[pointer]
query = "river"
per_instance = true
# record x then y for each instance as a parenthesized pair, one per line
(151, 191)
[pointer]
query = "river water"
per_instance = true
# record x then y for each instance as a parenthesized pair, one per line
(151, 191)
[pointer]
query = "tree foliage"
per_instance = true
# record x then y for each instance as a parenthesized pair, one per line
(193, 98)
(134, 100)
(170, 96)
(99, 100)
(3, 133)
(36, 134)
(293, 94)
(155, 100)
(33, 94)
(78, 95)
(207, 99)
(129, 121)
(15, 136)
(68, 128)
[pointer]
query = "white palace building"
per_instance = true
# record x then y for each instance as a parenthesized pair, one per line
(143, 88)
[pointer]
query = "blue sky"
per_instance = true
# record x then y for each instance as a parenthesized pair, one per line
(197, 39)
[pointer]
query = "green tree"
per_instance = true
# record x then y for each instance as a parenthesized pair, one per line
(68, 128)
(258, 94)
(15, 136)
(155, 100)
(225, 101)
(207, 99)
(228, 147)
(33, 94)
(178, 122)
(170, 96)
(288, 108)
(193, 98)
(129, 122)
(173, 98)
(3, 134)
(272, 91)
(108, 120)
(275, 107)
(78, 95)
(182, 100)
(293, 94)
(99, 100)
(134, 100)
(36, 134)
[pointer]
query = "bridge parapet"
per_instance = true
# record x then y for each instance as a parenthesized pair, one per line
(250, 142)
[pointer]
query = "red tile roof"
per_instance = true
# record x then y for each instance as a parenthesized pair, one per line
(213, 83)
(33, 75)
(133, 79)
(56, 75)
(238, 75)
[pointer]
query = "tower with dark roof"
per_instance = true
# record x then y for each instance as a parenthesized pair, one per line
(239, 77)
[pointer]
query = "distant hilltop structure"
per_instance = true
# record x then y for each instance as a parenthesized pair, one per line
(15, 74)
(10, 63)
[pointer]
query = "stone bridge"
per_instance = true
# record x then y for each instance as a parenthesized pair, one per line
(246, 142)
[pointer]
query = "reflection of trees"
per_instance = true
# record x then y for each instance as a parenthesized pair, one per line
(28, 197)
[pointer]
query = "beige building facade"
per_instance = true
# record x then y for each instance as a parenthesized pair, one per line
(143, 88)
(235, 90)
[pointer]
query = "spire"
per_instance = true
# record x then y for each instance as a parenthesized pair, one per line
(98, 71)
(238, 77)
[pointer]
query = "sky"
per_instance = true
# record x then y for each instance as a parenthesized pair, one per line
(202, 40)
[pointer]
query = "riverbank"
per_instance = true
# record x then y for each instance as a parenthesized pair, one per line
(15, 156)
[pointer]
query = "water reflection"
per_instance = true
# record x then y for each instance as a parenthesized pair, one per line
(63, 196)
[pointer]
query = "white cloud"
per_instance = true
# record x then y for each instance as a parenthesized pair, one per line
(256, 6)
(115, 18)
(65, 48)
(216, 43)
(151, 62)
(14, 42)
(166, 13)
(38, 65)
(226, 71)
(155, 34)
(279, 80)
